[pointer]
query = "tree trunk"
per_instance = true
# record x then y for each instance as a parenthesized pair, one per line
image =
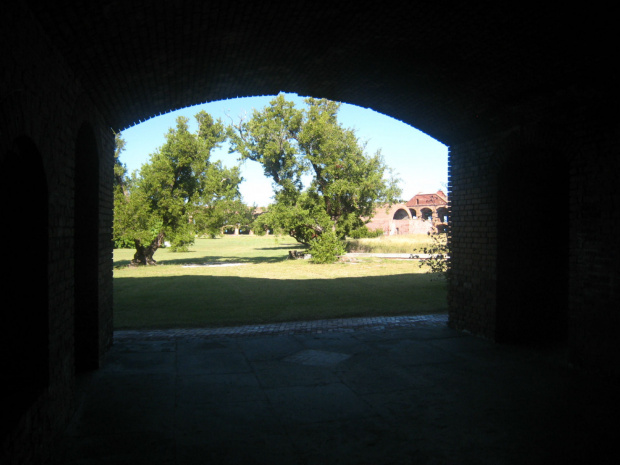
(144, 254)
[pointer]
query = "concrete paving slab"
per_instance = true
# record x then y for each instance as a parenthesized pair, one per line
(406, 352)
(141, 346)
(144, 362)
(427, 395)
(420, 332)
(119, 403)
(212, 361)
(226, 420)
(364, 441)
(217, 388)
(311, 404)
(265, 446)
(143, 448)
(273, 348)
(335, 342)
(196, 345)
(377, 374)
(321, 358)
(275, 374)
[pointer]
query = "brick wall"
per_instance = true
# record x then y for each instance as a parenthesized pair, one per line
(562, 285)
(42, 107)
(473, 237)
(594, 319)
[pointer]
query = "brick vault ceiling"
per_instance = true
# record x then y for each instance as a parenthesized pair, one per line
(451, 71)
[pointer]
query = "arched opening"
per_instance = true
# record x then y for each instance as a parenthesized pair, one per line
(401, 214)
(86, 243)
(25, 314)
(394, 219)
(413, 213)
(442, 214)
(426, 213)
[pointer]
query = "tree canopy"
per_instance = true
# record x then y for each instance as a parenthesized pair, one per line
(180, 192)
(324, 182)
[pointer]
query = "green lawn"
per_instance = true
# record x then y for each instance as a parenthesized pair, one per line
(254, 282)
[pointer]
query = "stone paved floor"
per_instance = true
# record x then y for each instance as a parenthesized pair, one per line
(296, 327)
(349, 392)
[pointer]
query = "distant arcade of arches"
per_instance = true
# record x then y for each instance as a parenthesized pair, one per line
(423, 214)
(237, 230)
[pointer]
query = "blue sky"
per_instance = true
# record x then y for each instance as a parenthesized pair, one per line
(420, 161)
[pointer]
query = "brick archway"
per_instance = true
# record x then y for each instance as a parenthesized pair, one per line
(475, 77)
(401, 214)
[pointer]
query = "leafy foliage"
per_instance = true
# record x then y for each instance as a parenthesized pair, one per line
(364, 233)
(123, 244)
(326, 248)
(179, 193)
(439, 255)
(293, 145)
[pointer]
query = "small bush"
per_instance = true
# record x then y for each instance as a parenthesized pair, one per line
(364, 233)
(439, 252)
(182, 247)
(326, 248)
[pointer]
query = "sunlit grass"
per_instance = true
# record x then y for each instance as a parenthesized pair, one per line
(258, 284)
(390, 244)
(256, 249)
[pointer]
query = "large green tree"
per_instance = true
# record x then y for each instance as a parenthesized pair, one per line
(323, 179)
(180, 192)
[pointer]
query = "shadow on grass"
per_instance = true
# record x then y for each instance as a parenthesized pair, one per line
(164, 260)
(208, 301)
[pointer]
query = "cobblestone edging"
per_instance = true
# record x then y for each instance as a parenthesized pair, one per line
(295, 327)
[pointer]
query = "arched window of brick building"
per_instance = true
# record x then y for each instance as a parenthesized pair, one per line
(442, 213)
(401, 214)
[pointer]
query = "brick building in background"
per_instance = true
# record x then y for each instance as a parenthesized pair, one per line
(423, 214)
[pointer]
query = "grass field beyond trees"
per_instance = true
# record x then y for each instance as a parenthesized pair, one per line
(249, 280)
